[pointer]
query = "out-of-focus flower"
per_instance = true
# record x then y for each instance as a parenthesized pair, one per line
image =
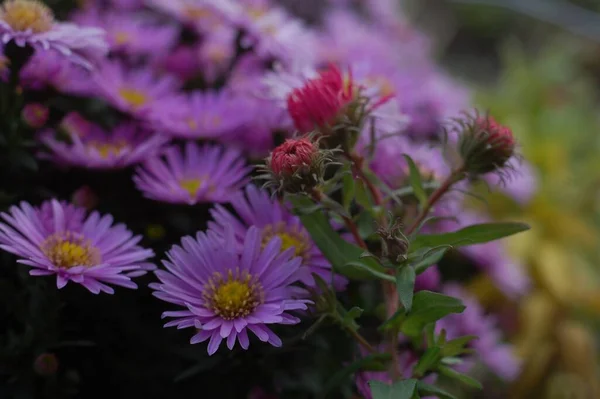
(200, 14)
(125, 145)
(258, 209)
(49, 69)
(428, 280)
(135, 92)
(521, 184)
(216, 53)
(208, 173)
(183, 62)
(35, 115)
(59, 239)
(497, 356)
(225, 292)
(46, 364)
(208, 115)
(31, 22)
(85, 197)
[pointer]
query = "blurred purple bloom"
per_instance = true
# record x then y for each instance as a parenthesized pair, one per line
(58, 239)
(429, 280)
(125, 145)
(257, 209)
(203, 15)
(520, 185)
(497, 356)
(216, 52)
(226, 293)
(199, 174)
(29, 22)
(183, 62)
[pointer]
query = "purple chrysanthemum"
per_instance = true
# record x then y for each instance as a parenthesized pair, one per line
(207, 173)
(133, 91)
(227, 293)
(489, 347)
(126, 145)
(210, 114)
(57, 238)
(256, 208)
(30, 22)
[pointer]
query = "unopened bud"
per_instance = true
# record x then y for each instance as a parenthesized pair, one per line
(46, 364)
(485, 145)
(35, 115)
(297, 165)
(394, 243)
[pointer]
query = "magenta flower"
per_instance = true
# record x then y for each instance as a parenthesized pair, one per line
(225, 293)
(126, 145)
(199, 174)
(135, 92)
(31, 22)
(257, 209)
(59, 239)
(209, 114)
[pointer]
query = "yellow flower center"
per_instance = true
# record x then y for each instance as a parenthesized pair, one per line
(70, 249)
(23, 15)
(107, 149)
(136, 98)
(121, 38)
(385, 86)
(290, 237)
(233, 296)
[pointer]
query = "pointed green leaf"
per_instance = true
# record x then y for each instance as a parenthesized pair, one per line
(431, 258)
(405, 285)
(416, 182)
(362, 267)
(457, 346)
(432, 390)
(363, 197)
(401, 390)
(455, 375)
(349, 319)
(348, 190)
(476, 234)
(429, 307)
(428, 361)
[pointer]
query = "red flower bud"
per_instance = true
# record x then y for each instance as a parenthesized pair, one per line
(291, 155)
(46, 364)
(485, 145)
(35, 115)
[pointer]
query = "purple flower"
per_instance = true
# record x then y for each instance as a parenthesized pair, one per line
(209, 114)
(216, 52)
(183, 62)
(473, 321)
(135, 92)
(30, 22)
(225, 293)
(257, 209)
(58, 238)
(200, 174)
(521, 185)
(200, 14)
(126, 145)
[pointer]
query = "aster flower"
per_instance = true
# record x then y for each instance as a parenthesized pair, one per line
(126, 145)
(488, 346)
(521, 185)
(225, 292)
(216, 52)
(133, 91)
(257, 208)
(30, 22)
(59, 239)
(203, 15)
(199, 174)
(206, 114)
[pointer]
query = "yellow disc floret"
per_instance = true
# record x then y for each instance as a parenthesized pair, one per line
(23, 15)
(134, 97)
(232, 296)
(70, 249)
(290, 237)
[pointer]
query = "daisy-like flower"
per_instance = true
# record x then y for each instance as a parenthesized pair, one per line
(126, 145)
(31, 22)
(59, 239)
(225, 293)
(199, 174)
(257, 209)
(200, 14)
(207, 114)
(133, 91)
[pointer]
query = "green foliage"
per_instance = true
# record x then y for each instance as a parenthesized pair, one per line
(429, 307)
(416, 181)
(405, 284)
(400, 390)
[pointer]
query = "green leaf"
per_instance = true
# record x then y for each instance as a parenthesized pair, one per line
(348, 190)
(457, 346)
(428, 361)
(416, 182)
(377, 272)
(426, 389)
(375, 362)
(455, 375)
(476, 234)
(363, 197)
(429, 307)
(401, 390)
(337, 250)
(405, 285)
(431, 258)
(350, 316)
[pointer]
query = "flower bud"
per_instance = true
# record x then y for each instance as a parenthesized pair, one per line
(485, 145)
(297, 165)
(85, 198)
(394, 243)
(46, 364)
(35, 115)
